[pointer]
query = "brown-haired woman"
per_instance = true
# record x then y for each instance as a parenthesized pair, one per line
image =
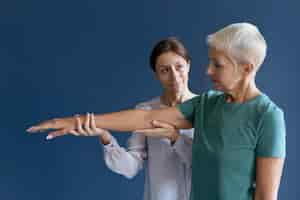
(168, 159)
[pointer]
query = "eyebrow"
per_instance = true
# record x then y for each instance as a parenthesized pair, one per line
(162, 66)
(177, 63)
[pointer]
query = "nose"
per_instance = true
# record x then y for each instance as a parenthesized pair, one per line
(174, 74)
(210, 70)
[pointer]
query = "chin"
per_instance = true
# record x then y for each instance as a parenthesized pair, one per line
(218, 88)
(175, 90)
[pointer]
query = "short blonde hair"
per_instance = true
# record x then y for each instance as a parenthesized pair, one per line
(242, 41)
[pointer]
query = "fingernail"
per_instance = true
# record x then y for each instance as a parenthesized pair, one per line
(31, 129)
(49, 137)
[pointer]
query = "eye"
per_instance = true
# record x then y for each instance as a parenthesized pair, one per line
(180, 67)
(164, 70)
(217, 64)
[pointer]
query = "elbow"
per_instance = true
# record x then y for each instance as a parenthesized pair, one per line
(130, 175)
(131, 170)
(120, 167)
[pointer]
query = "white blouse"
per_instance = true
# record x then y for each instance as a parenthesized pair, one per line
(168, 167)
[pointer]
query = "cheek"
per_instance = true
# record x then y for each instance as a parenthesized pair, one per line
(163, 78)
(185, 79)
(224, 75)
(184, 76)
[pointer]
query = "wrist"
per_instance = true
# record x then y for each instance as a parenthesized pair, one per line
(173, 138)
(105, 139)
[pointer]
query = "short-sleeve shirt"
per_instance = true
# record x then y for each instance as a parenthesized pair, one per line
(227, 139)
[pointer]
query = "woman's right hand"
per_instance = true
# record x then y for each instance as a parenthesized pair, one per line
(88, 128)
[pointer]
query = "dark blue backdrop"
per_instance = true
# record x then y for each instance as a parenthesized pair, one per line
(63, 57)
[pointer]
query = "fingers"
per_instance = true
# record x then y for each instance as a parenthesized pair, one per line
(87, 125)
(56, 124)
(160, 124)
(73, 132)
(156, 132)
(161, 129)
(57, 133)
(79, 126)
(92, 121)
(33, 129)
(44, 126)
(145, 132)
(88, 128)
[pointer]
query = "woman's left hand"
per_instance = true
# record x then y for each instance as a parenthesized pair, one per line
(161, 129)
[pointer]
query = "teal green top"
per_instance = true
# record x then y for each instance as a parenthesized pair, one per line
(227, 139)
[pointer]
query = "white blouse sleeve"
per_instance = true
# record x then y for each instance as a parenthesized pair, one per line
(127, 162)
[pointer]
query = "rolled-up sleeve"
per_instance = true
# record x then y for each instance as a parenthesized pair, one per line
(127, 162)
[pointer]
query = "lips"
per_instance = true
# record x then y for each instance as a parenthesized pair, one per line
(175, 86)
(214, 80)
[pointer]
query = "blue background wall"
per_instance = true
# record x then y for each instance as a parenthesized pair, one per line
(62, 57)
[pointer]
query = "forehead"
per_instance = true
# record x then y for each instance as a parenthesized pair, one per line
(169, 58)
(216, 53)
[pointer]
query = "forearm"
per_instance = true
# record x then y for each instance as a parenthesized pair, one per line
(268, 175)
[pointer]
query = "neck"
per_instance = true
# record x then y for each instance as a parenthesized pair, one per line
(171, 98)
(244, 92)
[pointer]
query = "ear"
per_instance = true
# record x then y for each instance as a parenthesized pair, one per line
(189, 66)
(248, 68)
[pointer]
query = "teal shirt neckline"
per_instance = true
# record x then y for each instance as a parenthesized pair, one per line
(250, 101)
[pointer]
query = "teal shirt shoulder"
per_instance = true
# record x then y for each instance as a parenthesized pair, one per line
(227, 139)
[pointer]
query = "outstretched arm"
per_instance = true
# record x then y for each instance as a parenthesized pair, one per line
(128, 120)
